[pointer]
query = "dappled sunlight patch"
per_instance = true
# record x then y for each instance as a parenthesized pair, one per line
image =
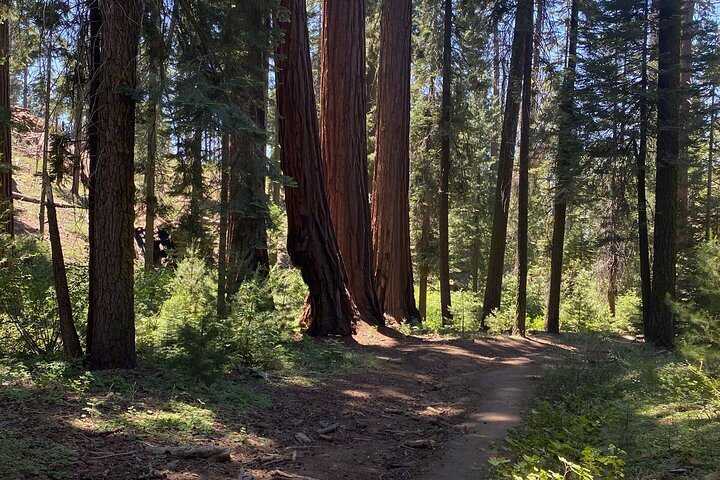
(173, 418)
(356, 394)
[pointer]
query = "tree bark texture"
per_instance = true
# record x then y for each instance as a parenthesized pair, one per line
(247, 200)
(391, 178)
(68, 333)
(6, 201)
(445, 131)
(501, 203)
(311, 238)
(343, 141)
(524, 184)
(95, 20)
(687, 31)
(563, 160)
(710, 162)
(223, 227)
(641, 168)
(155, 53)
(113, 336)
(661, 329)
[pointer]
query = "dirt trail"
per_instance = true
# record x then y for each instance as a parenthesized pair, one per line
(430, 409)
(502, 394)
(455, 397)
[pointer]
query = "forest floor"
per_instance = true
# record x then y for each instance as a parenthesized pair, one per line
(404, 407)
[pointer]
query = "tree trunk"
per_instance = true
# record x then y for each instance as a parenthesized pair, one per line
(77, 117)
(501, 204)
(155, 66)
(424, 253)
(311, 238)
(661, 330)
(445, 126)
(248, 211)
(247, 215)
(391, 178)
(343, 141)
(6, 201)
(46, 137)
(643, 242)
(26, 88)
(688, 11)
(68, 333)
(566, 152)
(524, 184)
(113, 336)
(710, 161)
(222, 245)
(95, 20)
(197, 185)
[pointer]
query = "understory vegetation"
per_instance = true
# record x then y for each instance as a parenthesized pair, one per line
(616, 409)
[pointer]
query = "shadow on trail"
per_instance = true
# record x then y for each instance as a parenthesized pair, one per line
(392, 417)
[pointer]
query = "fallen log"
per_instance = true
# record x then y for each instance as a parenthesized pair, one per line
(23, 198)
(281, 474)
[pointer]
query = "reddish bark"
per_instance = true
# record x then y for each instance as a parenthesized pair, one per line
(343, 141)
(391, 180)
(311, 238)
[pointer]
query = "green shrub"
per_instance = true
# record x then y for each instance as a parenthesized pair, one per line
(186, 332)
(184, 329)
(259, 332)
(28, 309)
(700, 314)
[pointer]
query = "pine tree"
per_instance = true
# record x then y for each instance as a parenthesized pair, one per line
(6, 200)
(112, 341)
(661, 328)
(501, 205)
(524, 181)
(445, 126)
(566, 151)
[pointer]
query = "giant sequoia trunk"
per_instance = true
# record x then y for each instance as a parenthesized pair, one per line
(524, 186)
(501, 204)
(343, 141)
(113, 332)
(68, 333)
(661, 328)
(391, 179)
(446, 107)
(6, 215)
(311, 237)
(566, 151)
